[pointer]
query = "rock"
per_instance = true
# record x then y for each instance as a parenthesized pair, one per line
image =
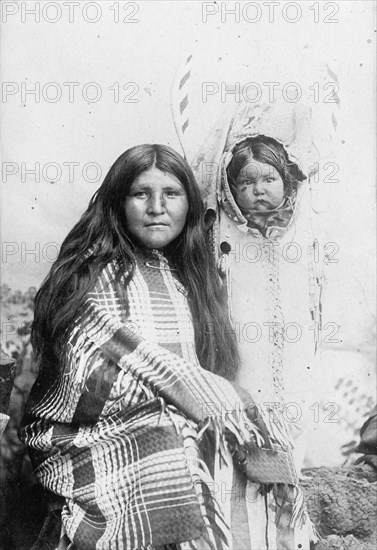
(342, 504)
(335, 542)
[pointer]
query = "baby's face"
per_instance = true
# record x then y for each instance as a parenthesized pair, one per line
(259, 186)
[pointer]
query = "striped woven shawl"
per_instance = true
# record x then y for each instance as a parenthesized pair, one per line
(109, 434)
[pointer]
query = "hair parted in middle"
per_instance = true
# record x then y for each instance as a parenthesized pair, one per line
(101, 236)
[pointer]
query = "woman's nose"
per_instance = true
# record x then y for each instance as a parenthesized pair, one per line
(156, 204)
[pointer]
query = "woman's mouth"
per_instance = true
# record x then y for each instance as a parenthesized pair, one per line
(156, 225)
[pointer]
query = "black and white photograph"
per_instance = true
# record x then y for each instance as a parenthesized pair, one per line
(188, 275)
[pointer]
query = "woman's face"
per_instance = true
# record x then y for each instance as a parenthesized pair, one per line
(156, 208)
(259, 186)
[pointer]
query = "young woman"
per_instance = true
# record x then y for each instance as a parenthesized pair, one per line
(132, 418)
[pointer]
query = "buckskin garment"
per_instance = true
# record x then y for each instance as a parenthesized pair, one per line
(273, 262)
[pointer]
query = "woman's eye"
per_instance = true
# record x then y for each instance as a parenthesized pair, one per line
(270, 180)
(140, 194)
(171, 194)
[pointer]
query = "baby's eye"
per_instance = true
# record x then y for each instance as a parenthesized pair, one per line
(270, 180)
(247, 182)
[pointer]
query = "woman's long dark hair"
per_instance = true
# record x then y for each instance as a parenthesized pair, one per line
(269, 151)
(101, 236)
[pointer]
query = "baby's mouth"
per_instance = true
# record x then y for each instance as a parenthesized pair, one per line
(261, 202)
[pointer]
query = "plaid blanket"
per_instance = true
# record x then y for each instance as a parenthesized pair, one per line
(130, 432)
